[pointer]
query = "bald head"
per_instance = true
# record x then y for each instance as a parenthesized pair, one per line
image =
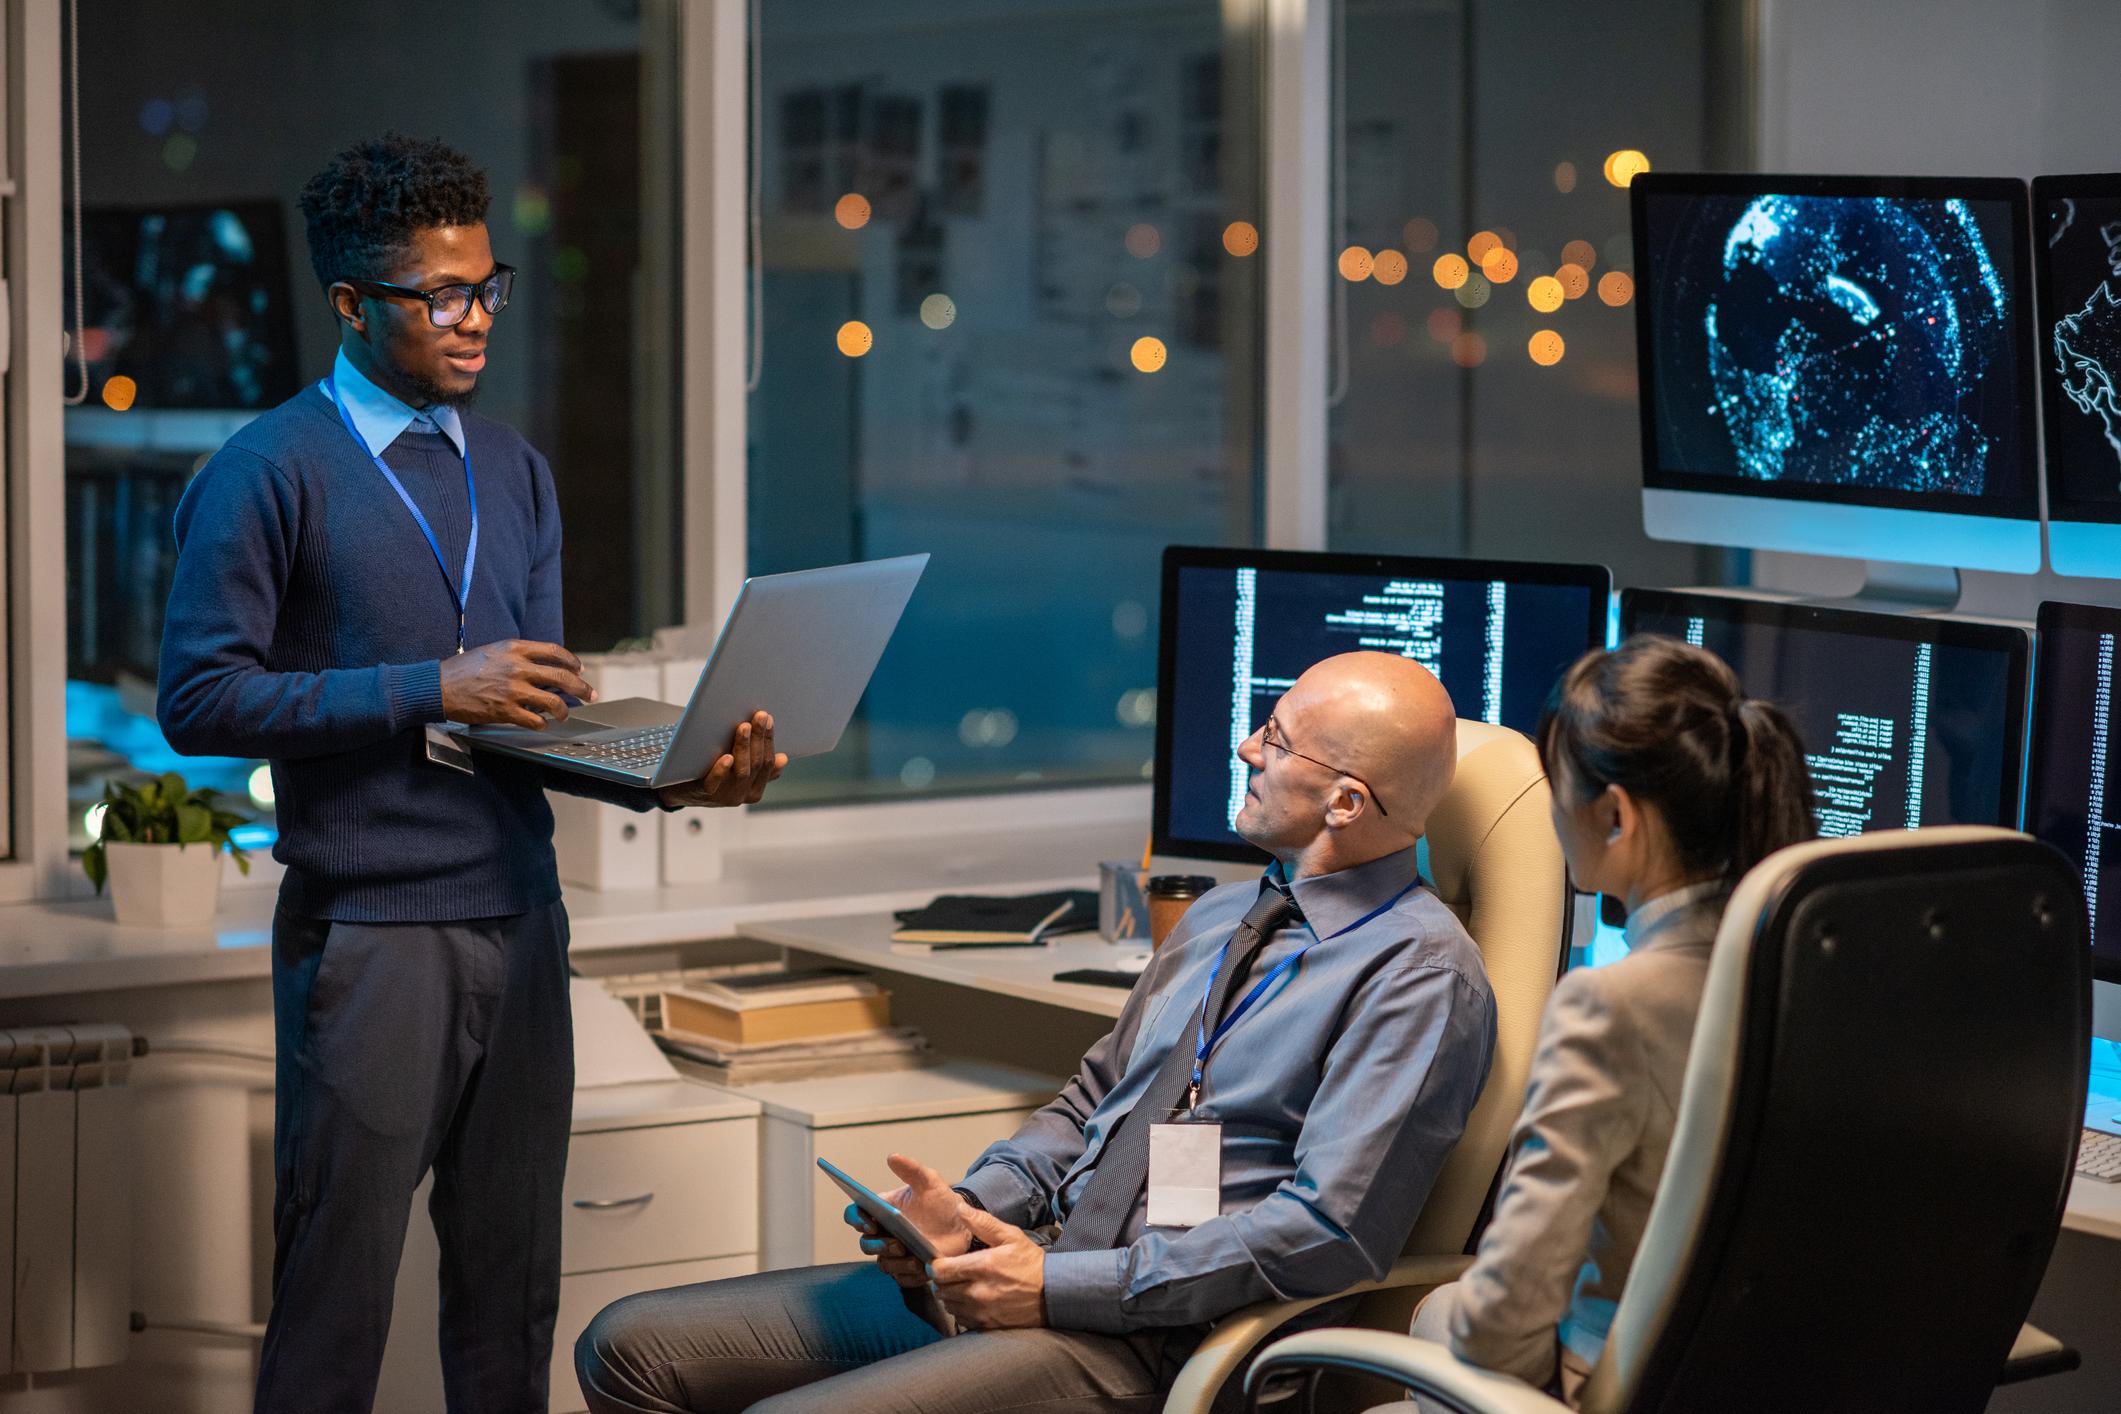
(1369, 744)
(1384, 718)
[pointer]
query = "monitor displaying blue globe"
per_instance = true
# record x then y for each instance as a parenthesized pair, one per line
(1845, 341)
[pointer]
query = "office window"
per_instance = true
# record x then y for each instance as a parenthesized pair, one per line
(199, 124)
(1486, 360)
(1010, 318)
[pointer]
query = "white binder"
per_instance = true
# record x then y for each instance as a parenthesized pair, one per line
(607, 847)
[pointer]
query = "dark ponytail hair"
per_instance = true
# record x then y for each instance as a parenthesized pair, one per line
(1668, 723)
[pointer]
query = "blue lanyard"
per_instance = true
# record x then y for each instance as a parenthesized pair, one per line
(461, 591)
(1205, 1042)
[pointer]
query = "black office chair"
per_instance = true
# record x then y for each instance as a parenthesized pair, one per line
(1874, 1148)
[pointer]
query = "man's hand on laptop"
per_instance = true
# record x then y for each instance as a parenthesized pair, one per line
(739, 775)
(937, 1209)
(516, 683)
(1002, 1285)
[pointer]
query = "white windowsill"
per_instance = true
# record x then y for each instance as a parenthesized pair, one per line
(51, 949)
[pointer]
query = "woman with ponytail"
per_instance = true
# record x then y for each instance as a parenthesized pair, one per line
(1668, 785)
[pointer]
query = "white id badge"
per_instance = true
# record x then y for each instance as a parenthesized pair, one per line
(1185, 1174)
(446, 748)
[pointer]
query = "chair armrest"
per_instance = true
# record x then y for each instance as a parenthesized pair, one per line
(2036, 1353)
(1422, 1366)
(1237, 1334)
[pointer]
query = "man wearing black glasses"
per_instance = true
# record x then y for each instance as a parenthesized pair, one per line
(357, 568)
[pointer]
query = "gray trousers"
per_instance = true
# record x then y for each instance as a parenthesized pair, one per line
(403, 1048)
(840, 1338)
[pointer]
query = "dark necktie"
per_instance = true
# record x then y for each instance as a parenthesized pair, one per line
(1107, 1200)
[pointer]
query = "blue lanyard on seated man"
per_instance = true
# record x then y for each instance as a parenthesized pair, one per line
(1185, 1157)
(1205, 1041)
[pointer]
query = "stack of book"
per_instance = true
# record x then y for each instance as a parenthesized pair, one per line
(783, 1024)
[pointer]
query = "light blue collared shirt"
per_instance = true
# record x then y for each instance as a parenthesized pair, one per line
(1340, 1095)
(381, 418)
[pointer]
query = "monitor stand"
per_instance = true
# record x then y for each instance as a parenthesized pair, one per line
(1893, 588)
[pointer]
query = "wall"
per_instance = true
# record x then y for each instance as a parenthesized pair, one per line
(1939, 87)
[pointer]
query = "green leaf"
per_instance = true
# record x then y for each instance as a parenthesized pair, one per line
(195, 824)
(94, 865)
(242, 860)
(118, 825)
(173, 787)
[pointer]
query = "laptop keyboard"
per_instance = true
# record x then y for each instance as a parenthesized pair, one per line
(636, 751)
(2099, 1156)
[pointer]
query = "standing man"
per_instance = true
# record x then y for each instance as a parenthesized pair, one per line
(355, 568)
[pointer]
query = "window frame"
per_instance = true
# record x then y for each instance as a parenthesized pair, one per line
(713, 63)
(32, 530)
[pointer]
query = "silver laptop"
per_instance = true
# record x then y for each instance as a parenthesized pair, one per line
(801, 646)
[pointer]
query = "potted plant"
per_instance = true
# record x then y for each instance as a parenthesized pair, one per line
(160, 847)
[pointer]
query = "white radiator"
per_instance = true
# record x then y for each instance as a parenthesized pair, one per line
(65, 1197)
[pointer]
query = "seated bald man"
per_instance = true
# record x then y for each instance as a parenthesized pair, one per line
(1264, 1122)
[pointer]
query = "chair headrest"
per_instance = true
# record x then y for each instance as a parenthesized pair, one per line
(1496, 766)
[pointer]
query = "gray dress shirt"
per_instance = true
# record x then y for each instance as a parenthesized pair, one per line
(1588, 1149)
(1340, 1094)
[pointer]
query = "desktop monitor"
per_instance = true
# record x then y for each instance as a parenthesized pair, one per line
(2071, 799)
(2077, 265)
(1906, 721)
(1239, 626)
(192, 302)
(1838, 365)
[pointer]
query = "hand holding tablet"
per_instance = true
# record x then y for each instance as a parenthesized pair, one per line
(881, 1213)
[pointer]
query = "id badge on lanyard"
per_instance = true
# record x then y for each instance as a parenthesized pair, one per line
(1186, 1153)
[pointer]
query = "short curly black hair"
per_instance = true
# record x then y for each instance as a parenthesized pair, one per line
(362, 209)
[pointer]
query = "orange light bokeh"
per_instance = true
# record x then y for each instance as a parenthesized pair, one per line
(1546, 348)
(1616, 288)
(1500, 265)
(854, 338)
(1389, 266)
(1147, 355)
(1450, 271)
(1565, 177)
(1241, 238)
(119, 392)
(1480, 243)
(1468, 350)
(1544, 294)
(1575, 281)
(851, 211)
(1580, 252)
(1625, 166)
(1356, 263)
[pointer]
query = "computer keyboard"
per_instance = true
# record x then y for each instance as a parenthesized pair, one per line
(636, 751)
(2099, 1156)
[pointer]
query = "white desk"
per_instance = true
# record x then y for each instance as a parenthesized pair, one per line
(1027, 973)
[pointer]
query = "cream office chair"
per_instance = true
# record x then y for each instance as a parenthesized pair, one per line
(1493, 858)
(1873, 1152)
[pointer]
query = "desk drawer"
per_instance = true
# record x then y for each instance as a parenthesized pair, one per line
(666, 1194)
(581, 1297)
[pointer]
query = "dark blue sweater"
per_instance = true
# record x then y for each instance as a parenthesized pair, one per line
(307, 624)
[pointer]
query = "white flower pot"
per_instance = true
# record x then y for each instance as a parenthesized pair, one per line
(164, 885)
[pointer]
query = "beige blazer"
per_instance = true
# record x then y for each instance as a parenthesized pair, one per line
(1587, 1152)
